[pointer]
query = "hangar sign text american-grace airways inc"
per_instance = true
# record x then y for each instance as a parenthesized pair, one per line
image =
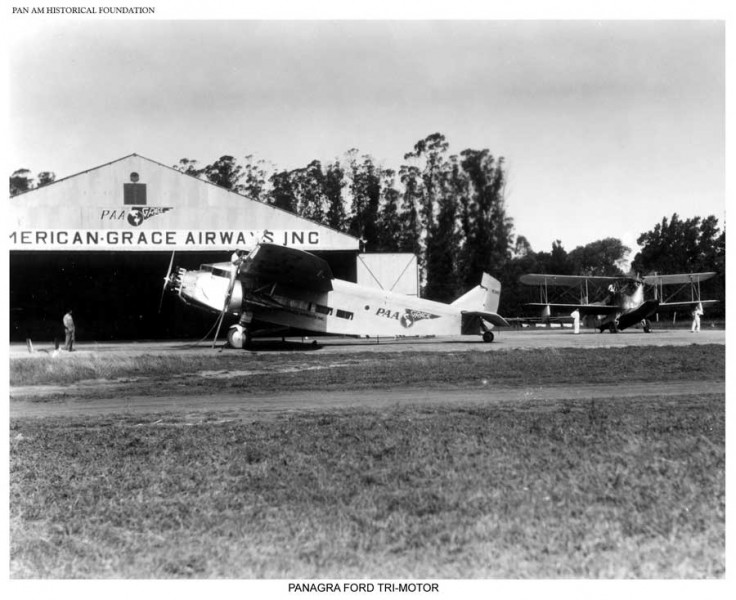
(103, 239)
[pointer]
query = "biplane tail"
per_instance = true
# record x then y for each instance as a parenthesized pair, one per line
(482, 298)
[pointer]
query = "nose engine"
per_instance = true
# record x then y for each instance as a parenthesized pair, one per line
(205, 289)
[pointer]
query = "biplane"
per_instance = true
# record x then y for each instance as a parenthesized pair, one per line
(290, 288)
(619, 302)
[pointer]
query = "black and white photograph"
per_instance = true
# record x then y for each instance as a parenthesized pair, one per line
(388, 301)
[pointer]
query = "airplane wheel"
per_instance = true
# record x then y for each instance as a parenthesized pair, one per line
(488, 337)
(236, 337)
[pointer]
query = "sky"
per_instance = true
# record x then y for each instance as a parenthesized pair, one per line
(606, 127)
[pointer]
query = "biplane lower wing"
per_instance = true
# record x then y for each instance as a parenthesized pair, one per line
(564, 280)
(677, 278)
(685, 304)
(584, 309)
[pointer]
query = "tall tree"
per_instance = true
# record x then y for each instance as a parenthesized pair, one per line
(677, 246)
(522, 247)
(189, 167)
(430, 156)
(389, 220)
(334, 183)
(45, 177)
(604, 257)
(225, 172)
(488, 231)
(437, 216)
(20, 182)
(689, 246)
(410, 239)
(365, 191)
(282, 192)
(444, 239)
(309, 183)
(255, 178)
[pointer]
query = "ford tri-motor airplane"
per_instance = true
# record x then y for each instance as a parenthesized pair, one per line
(623, 304)
(291, 288)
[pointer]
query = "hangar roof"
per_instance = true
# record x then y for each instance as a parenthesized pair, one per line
(135, 203)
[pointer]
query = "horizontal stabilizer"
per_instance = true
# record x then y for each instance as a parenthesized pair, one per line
(493, 318)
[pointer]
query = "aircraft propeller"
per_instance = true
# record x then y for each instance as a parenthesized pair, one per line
(167, 280)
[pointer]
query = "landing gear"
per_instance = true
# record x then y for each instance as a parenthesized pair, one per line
(488, 336)
(239, 337)
(612, 327)
(236, 337)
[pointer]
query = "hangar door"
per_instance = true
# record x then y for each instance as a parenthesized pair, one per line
(395, 272)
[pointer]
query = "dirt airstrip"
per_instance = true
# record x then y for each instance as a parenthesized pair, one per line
(135, 395)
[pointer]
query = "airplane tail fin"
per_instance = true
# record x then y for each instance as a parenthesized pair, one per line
(482, 298)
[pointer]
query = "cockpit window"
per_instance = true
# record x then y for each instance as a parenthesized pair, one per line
(217, 271)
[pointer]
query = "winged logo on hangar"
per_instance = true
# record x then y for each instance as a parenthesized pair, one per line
(138, 214)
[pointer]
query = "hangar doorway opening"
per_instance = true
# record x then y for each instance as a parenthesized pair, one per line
(114, 295)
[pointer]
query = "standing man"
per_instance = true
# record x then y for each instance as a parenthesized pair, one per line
(69, 331)
(697, 311)
(575, 320)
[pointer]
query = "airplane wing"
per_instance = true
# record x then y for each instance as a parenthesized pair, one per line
(677, 278)
(584, 309)
(685, 304)
(493, 318)
(288, 266)
(564, 280)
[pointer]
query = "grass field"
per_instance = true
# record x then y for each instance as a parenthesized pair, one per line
(627, 487)
(311, 371)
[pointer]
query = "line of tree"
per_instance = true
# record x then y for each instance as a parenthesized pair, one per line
(22, 181)
(449, 210)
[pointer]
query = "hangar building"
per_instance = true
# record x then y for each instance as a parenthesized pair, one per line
(100, 242)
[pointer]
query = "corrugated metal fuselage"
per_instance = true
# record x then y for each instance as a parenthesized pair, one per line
(348, 309)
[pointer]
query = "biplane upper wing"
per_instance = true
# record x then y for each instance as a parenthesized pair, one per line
(289, 266)
(679, 278)
(564, 280)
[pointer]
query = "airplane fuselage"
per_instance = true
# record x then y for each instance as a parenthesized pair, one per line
(632, 308)
(348, 309)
